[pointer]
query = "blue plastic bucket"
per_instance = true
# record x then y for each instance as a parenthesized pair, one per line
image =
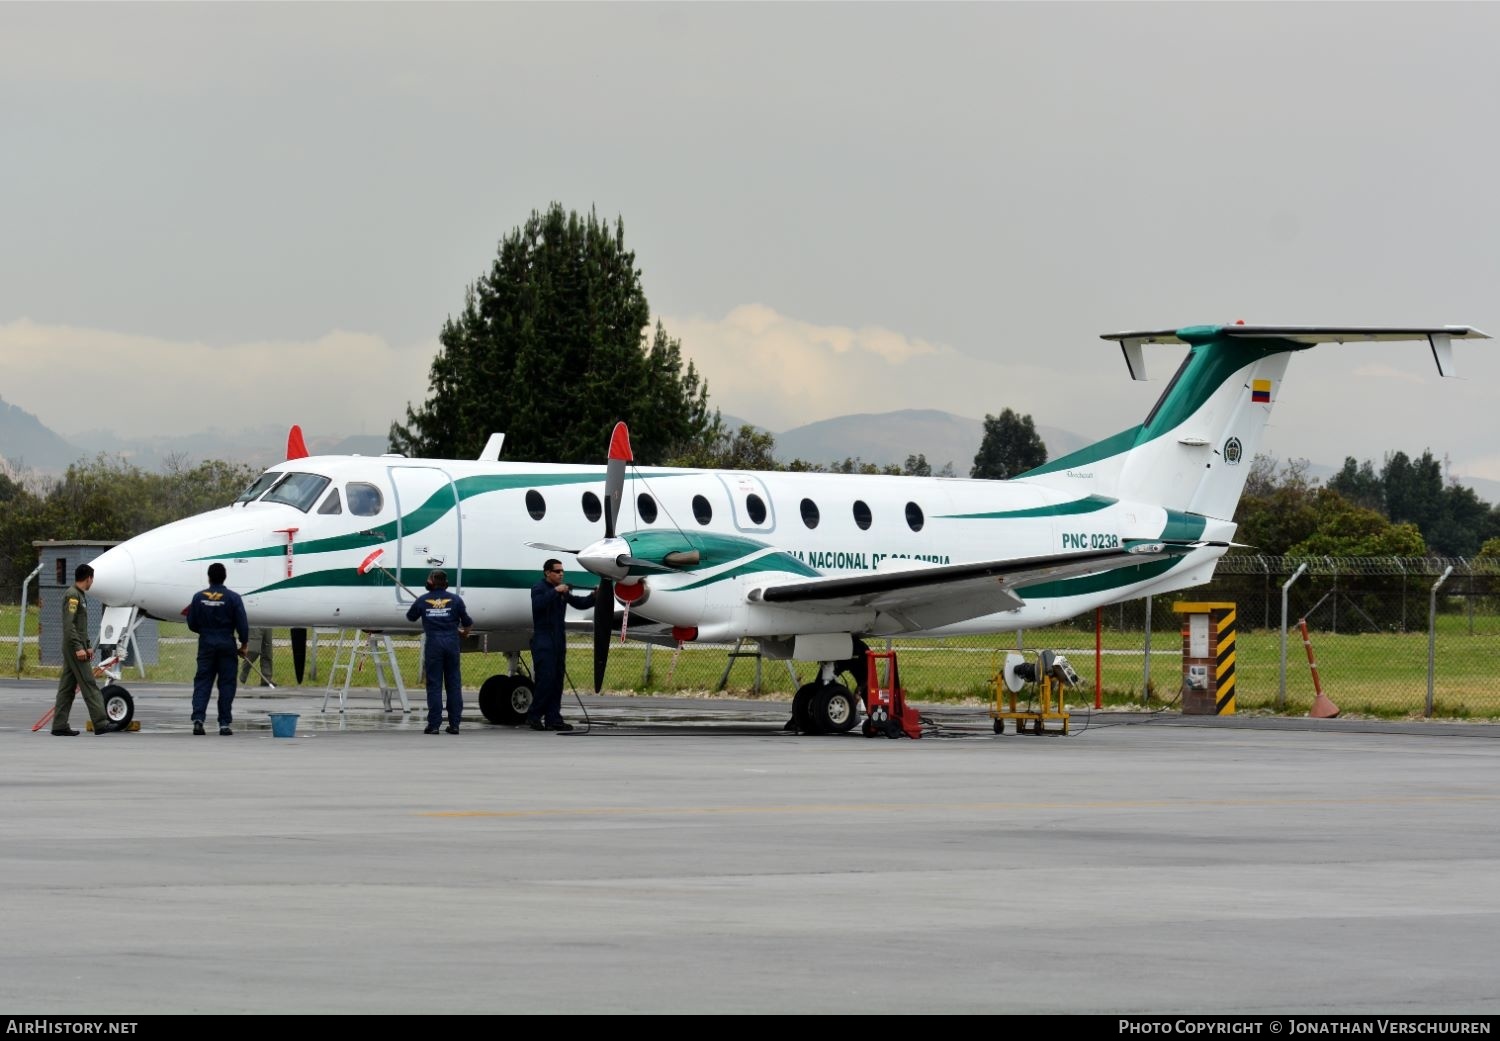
(283, 724)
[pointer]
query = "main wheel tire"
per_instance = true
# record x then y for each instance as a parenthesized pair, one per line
(835, 709)
(505, 700)
(802, 711)
(119, 706)
(521, 697)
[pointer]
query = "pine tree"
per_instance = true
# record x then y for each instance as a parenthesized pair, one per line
(551, 349)
(1011, 446)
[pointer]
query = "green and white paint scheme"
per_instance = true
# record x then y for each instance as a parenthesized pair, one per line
(802, 562)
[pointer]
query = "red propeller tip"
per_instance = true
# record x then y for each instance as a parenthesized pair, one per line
(619, 443)
(296, 448)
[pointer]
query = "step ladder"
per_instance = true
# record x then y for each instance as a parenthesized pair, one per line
(350, 650)
(738, 653)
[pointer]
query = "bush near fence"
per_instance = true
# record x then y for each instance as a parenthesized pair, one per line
(1367, 621)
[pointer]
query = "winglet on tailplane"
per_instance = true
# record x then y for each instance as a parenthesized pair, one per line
(1193, 451)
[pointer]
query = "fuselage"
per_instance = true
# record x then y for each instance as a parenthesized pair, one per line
(295, 544)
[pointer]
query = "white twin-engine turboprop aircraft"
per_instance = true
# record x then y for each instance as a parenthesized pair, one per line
(806, 564)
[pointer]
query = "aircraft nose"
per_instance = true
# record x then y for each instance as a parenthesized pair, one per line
(114, 577)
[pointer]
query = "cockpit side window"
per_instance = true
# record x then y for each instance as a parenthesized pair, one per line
(256, 490)
(299, 490)
(332, 503)
(365, 500)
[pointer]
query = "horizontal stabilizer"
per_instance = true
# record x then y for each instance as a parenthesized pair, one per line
(1440, 337)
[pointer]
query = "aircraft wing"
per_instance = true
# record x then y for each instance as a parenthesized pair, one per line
(929, 597)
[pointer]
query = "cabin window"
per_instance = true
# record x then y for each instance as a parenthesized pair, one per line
(299, 490)
(365, 499)
(755, 506)
(646, 506)
(536, 505)
(810, 515)
(332, 504)
(256, 490)
(914, 518)
(60, 571)
(702, 511)
(592, 508)
(862, 514)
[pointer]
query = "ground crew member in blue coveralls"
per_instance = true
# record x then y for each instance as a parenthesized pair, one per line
(217, 615)
(444, 620)
(549, 644)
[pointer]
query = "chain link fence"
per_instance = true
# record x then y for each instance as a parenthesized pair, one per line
(1392, 637)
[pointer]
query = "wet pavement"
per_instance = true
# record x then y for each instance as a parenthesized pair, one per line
(689, 855)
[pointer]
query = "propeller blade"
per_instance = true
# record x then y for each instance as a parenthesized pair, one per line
(549, 547)
(614, 476)
(299, 652)
(604, 614)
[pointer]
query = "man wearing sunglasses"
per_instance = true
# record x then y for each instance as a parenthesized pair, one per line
(549, 644)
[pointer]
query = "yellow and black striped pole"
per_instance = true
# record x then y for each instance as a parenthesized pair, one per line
(1224, 627)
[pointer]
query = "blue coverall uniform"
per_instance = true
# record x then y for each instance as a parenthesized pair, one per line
(549, 648)
(217, 615)
(443, 613)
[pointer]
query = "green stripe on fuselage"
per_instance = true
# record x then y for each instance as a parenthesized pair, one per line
(1090, 504)
(1098, 582)
(414, 578)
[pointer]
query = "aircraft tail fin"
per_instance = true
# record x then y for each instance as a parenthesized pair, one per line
(1194, 449)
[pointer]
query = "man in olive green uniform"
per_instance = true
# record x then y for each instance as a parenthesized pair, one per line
(78, 666)
(260, 647)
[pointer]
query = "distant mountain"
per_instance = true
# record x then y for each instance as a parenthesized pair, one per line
(359, 444)
(886, 438)
(258, 446)
(24, 441)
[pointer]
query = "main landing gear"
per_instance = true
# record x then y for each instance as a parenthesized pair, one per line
(505, 699)
(831, 704)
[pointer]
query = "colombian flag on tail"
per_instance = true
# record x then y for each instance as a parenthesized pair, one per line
(1260, 391)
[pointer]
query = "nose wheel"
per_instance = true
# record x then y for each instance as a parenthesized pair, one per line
(119, 706)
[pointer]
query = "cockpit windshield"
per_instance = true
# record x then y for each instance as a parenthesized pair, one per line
(256, 490)
(299, 490)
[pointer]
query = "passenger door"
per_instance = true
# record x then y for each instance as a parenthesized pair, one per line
(428, 527)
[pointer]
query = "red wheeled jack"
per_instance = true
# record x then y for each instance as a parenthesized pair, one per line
(886, 710)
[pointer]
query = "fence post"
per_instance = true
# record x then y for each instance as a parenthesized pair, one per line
(1281, 692)
(1146, 669)
(21, 629)
(1402, 568)
(1099, 657)
(1432, 636)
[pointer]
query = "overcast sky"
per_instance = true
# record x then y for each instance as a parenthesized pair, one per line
(226, 215)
